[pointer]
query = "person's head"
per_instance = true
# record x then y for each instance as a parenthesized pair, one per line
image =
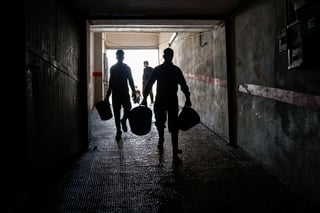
(168, 54)
(146, 63)
(120, 55)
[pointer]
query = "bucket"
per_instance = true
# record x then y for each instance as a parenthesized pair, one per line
(140, 119)
(188, 118)
(104, 110)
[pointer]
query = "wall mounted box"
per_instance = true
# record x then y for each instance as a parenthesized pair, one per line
(303, 37)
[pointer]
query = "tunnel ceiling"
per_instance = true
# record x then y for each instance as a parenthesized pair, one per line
(153, 16)
(152, 26)
(193, 9)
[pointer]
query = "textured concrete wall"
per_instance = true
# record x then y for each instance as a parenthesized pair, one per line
(54, 84)
(202, 58)
(283, 137)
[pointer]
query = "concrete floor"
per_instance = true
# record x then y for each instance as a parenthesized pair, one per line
(134, 176)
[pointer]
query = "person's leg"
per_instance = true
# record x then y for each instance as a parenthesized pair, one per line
(174, 140)
(161, 117)
(126, 108)
(173, 128)
(116, 111)
(144, 84)
(161, 137)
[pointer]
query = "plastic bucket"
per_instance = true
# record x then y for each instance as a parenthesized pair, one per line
(140, 119)
(104, 110)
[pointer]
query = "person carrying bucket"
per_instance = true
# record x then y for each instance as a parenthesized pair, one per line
(168, 77)
(120, 76)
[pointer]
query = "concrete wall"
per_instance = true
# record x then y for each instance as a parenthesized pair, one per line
(55, 86)
(96, 73)
(274, 126)
(202, 58)
(96, 68)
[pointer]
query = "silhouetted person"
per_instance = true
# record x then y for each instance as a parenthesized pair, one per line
(120, 75)
(145, 78)
(168, 77)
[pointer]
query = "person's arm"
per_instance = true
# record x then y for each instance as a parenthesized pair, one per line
(184, 87)
(109, 88)
(148, 87)
(131, 83)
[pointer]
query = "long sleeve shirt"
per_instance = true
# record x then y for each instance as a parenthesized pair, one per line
(168, 77)
(120, 74)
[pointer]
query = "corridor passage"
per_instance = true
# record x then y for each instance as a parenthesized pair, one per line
(133, 176)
